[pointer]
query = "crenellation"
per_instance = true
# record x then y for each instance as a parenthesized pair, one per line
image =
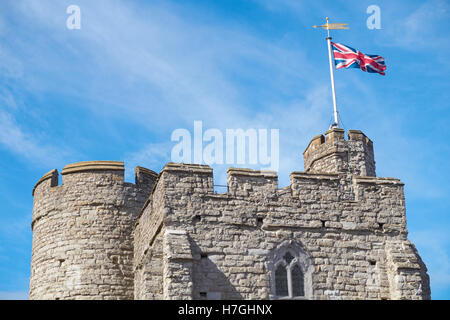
(334, 135)
(191, 178)
(88, 220)
(252, 183)
(335, 154)
(145, 178)
(48, 180)
(337, 227)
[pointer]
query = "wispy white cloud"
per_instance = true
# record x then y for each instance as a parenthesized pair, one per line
(28, 146)
(169, 64)
(157, 68)
(172, 70)
(175, 70)
(422, 28)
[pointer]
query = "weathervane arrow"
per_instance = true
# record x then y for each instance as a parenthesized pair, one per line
(333, 26)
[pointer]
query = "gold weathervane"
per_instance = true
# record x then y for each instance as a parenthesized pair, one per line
(333, 26)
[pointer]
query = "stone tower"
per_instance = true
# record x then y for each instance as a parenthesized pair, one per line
(334, 154)
(82, 231)
(336, 232)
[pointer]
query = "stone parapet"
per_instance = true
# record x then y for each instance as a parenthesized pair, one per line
(335, 232)
(82, 232)
(334, 154)
(50, 179)
(247, 182)
(93, 166)
(220, 246)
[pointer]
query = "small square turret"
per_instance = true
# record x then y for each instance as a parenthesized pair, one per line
(334, 154)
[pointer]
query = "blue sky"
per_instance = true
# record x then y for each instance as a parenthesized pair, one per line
(137, 70)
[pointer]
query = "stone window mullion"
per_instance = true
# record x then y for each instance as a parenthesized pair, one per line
(289, 281)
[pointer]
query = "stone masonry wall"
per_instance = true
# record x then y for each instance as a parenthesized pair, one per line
(151, 235)
(170, 236)
(347, 226)
(82, 231)
(148, 246)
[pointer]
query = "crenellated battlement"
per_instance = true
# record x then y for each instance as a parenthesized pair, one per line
(333, 154)
(360, 203)
(345, 217)
(82, 230)
(50, 179)
(171, 236)
(109, 172)
(250, 183)
(195, 179)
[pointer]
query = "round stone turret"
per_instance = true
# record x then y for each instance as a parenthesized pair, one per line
(82, 231)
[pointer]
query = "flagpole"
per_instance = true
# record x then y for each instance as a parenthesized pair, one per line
(334, 26)
(336, 121)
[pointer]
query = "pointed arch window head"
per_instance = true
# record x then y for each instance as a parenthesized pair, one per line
(291, 272)
(288, 257)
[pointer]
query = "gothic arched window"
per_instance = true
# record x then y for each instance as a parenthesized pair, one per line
(281, 281)
(298, 283)
(291, 272)
(289, 281)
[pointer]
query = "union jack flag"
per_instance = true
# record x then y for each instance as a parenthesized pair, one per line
(346, 57)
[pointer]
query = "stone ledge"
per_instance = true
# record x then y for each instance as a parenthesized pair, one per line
(192, 168)
(251, 173)
(377, 180)
(315, 175)
(220, 196)
(93, 166)
(174, 231)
